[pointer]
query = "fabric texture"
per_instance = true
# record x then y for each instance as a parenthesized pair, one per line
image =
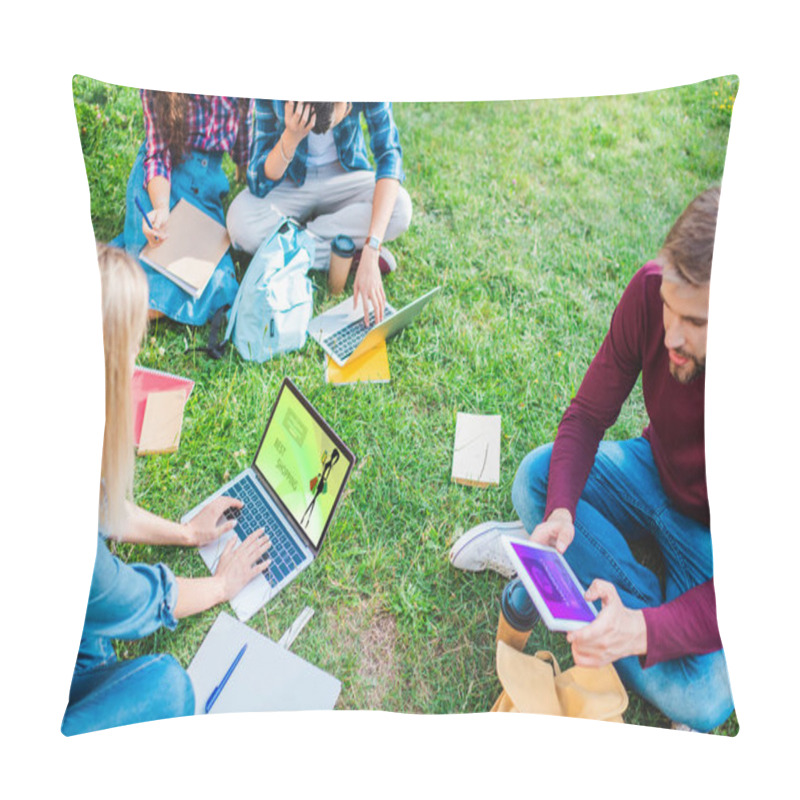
(635, 344)
(268, 125)
(330, 202)
(126, 601)
(214, 125)
(200, 180)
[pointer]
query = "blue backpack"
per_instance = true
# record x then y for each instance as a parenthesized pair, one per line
(274, 304)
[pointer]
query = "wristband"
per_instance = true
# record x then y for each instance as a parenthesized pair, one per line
(374, 242)
(283, 155)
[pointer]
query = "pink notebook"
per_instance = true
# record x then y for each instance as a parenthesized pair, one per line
(146, 381)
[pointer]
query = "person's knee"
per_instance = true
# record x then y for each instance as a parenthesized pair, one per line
(174, 687)
(240, 227)
(529, 490)
(401, 216)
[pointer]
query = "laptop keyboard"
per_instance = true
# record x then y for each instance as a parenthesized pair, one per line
(258, 513)
(344, 341)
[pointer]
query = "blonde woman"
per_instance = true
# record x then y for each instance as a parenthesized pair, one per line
(129, 601)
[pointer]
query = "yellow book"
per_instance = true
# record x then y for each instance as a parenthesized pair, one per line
(371, 367)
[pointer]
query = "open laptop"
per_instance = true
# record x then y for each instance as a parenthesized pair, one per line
(291, 490)
(342, 334)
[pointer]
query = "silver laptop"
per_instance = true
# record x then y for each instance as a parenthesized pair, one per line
(342, 334)
(291, 490)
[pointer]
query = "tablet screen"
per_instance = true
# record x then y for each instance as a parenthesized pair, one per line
(555, 585)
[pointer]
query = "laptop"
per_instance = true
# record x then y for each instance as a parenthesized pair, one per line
(342, 334)
(291, 489)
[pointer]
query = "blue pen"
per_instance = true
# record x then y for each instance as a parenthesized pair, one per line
(215, 694)
(143, 212)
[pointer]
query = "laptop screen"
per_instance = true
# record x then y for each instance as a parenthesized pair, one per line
(302, 463)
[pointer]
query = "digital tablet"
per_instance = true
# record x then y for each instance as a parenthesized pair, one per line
(551, 584)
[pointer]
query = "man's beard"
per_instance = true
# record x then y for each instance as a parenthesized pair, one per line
(682, 373)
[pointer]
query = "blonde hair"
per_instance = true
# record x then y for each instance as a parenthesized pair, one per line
(124, 297)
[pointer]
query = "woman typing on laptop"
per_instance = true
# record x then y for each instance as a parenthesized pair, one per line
(130, 601)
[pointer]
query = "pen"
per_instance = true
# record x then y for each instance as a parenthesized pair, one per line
(215, 694)
(143, 212)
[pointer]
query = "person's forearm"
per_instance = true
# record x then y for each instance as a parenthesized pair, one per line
(383, 201)
(158, 191)
(146, 528)
(280, 157)
(197, 594)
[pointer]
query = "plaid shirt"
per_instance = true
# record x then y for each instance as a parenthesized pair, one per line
(214, 126)
(267, 125)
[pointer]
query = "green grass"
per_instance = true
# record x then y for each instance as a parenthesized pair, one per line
(532, 216)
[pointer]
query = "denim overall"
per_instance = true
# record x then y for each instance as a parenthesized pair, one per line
(200, 180)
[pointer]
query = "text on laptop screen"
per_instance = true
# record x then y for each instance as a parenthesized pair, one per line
(302, 464)
(557, 589)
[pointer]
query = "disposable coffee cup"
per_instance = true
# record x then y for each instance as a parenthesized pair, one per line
(343, 249)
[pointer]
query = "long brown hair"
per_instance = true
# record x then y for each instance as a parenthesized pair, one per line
(171, 110)
(124, 296)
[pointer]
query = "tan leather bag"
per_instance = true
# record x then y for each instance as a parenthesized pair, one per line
(536, 685)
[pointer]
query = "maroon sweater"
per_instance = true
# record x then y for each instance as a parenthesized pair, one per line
(635, 344)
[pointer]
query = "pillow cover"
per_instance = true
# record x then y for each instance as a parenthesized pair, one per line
(534, 217)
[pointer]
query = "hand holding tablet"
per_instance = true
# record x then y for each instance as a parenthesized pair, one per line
(551, 584)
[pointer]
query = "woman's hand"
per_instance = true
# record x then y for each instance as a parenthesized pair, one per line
(237, 565)
(368, 285)
(209, 523)
(158, 219)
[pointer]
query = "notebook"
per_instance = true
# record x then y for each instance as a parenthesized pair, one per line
(292, 489)
(267, 678)
(476, 453)
(147, 381)
(194, 247)
(370, 367)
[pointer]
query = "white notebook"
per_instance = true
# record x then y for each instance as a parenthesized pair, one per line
(268, 678)
(476, 452)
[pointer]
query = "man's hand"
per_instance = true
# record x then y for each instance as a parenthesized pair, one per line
(299, 122)
(617, 632)
(556, 531)
(209, 524)
(158, 219)
(237, 565)
(368, 285)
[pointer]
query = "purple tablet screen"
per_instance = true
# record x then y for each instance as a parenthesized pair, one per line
(555, 585)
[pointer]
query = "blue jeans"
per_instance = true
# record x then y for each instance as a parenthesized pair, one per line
(200, 180)
(125, 692)
(624, 501)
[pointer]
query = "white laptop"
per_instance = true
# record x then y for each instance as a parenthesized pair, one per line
(291, 490)
(342, 334)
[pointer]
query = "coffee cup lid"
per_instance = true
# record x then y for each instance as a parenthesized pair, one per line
(343, 245)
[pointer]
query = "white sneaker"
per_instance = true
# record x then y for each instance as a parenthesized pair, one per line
(480, 547)
(682, 726)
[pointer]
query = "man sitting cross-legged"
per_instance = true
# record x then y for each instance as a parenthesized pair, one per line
(590, 498)
(309, 161)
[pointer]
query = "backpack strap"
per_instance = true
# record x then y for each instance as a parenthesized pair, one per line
(215, 348)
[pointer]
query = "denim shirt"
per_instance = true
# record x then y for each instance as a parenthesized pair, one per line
(126, 601)
(384, 140)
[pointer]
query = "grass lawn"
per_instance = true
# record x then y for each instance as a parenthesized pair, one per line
(532, 217)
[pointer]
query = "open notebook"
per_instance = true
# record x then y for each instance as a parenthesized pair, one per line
(195, 246)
